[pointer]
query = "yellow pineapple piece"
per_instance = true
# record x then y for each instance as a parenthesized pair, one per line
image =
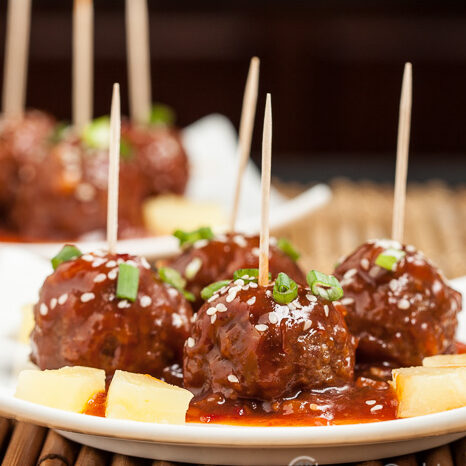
(167, 213)
(445, 360)
(27, 323)
(426, 390)
(144, 398)
(68, 388)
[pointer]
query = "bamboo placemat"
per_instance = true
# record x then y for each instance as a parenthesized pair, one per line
(435, 223)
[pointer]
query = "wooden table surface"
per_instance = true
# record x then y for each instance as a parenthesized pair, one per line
(435, 223)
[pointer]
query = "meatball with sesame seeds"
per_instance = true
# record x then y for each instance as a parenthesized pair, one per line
(80, 320)
(245, 344)
(399, 304)
(209, 260)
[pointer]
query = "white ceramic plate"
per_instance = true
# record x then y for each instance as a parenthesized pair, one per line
(211, 144)
(207, 444)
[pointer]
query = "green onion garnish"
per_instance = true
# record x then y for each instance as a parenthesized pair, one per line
(288, 249)
(126, 149)
(389, 258)
(58, 133)
(248, 275)
(325, 286)
(285, 289)
(190, 237)
(210, 290)
(96, 134)
(173, 277)
(162, 115)
(128, 282)
(67, 253)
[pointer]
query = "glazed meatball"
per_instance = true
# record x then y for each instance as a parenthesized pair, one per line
(400, 315)
(246, 345)
(208, 261)
(69, 195)
(160, 156)
(80, 321)
(23, 143)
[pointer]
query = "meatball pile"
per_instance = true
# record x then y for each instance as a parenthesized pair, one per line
(208, 261)
(244, 344)
(79, 320)
(400, 313)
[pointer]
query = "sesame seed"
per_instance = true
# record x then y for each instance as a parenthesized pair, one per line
(192, 268)
(211, 311)
(374, 271)
(213, 298)
(255, 252)
(145, 301)
(370, 402)
(120, 261)
(240, 241)
(410, 248)
(376, 408)
(53, 303)
(43, 309)
(307, 325)
(84, 192)
(62, 299)
(200, 243)
(261, 327)
(144, 263)
(310, 297)
(86, 297)
(190, 342)
(326, 310)
(239, 282)
(347, 301)
(273, 318)
(177, 321)
(253, 285)
(251, 301)
(123, 304)
(365, 263)
(232, 378)
(403, 304)
(112, 274)
(172, 291)
(111, 264)
(98, 262)
(350, 273)
(100, 278)
(393, 284)
(213, 318)
(87, 257)
(131, 262)
(221, 307)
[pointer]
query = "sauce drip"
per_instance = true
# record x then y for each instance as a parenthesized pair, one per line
(96, 405)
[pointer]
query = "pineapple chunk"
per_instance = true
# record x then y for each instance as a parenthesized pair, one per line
(68, 388)
(445, 360)
(426, 390)
(27, 323)
(143, 398)
(165, 214)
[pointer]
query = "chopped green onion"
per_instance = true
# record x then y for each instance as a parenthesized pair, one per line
(162, 115)
(285, 289)
(96, 134)
(288, 249)
(58, 133)
(128, 282)
(325, 286)
(248, 275)
(210, 290)
(126, 150)
(190, 237)
(67, 253)
(389, 258)
(173, 277)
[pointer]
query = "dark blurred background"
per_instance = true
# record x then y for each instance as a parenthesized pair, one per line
(334, 69)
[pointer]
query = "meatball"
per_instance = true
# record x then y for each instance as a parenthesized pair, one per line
(400, 315)
(23, 143)
(208, 261)
(160, 156)
(245, 345)
(79, 321)
(69, 195)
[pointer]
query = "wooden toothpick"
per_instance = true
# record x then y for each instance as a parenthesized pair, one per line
(404, 128)
(246, 128)
(113, 170)
(265, 194)
(137, 45)
(83, 40)
(16, 57)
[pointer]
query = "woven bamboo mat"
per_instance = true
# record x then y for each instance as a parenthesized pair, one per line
(435, 223)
